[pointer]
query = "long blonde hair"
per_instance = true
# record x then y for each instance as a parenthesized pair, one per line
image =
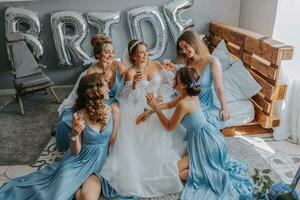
(194, 40)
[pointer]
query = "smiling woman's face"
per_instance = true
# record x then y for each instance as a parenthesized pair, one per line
(108, 53)
(141, 55)
(185, 49)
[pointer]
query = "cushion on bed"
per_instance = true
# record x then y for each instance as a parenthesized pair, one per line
(224, 56)
(238, 83)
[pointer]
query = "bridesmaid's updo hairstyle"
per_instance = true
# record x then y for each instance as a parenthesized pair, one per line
(189, 77)
(90, 97)
(98, 42)
(133, 47)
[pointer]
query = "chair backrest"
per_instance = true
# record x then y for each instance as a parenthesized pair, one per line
(22, 60)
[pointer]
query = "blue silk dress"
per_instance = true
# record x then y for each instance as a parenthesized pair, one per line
(209, 101)
(63, 138)
(211, 174)
(60, 180)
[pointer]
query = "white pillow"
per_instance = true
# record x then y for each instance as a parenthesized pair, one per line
(224, 56)
(238, 83)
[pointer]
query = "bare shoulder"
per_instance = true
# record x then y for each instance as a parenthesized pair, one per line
(215, 63)
(156, 64)
(90, 71)
(129, 74)
(121, 67)
(181, 105)
(213, 59)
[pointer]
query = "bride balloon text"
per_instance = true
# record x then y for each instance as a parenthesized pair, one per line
(68, 43)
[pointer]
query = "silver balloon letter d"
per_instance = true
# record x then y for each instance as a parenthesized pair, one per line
(152, 14)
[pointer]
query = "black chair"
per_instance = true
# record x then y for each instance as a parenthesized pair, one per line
(28, 76)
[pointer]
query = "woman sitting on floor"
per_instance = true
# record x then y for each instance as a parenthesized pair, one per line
(210, 174)
(77, 173)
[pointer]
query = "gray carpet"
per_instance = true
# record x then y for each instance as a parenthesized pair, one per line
(22, 138)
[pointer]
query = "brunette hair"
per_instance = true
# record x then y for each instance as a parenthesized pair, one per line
(91, 97)
(98, 42)
(189, 77)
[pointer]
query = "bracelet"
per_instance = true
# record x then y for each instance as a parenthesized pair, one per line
(151, 111)
(74, 138)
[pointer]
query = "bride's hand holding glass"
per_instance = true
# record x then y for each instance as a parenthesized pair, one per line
(137, 78)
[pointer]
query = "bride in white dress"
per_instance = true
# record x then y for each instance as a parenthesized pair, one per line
(143, 160)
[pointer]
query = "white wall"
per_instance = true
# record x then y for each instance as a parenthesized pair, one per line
(258, 16)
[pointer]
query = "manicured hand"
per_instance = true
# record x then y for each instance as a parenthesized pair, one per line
(151, 100)
(77, 123)
(224, 114)
(107, 73)
(137, 78)
(168, 65)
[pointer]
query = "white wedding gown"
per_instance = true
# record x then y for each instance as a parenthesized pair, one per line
(143, 160)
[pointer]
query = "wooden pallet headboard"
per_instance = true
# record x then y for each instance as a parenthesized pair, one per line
(262, 56)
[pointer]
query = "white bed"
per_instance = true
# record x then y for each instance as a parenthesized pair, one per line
(241, 112)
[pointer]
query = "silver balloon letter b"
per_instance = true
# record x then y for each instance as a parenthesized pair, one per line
(15, 18)
(172, 13)
(137, 15)
(103, 21)
(69, 43)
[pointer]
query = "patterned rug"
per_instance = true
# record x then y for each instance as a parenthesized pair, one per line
(237, 148)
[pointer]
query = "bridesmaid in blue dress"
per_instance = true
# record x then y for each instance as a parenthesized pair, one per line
(208, 172)
(113, 72)
(78, 172)
(192, 51)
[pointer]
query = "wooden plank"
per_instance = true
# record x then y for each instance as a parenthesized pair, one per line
(264, 47)
(281, 91)
(269, 49)
(264, 120)
(268, 71)
(232, 48)
(262, 102)
(252, 128)
(267, 88)
(236, 52)
(226, 32)
(215, 40)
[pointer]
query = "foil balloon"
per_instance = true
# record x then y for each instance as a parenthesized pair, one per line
(135, 18)
(68, 44)
(27, 22)
(172, 13)
(103, 21)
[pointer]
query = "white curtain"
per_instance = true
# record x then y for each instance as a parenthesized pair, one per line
(289, 108)
(287, 30)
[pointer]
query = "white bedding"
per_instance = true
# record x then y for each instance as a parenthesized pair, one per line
(241, 112)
